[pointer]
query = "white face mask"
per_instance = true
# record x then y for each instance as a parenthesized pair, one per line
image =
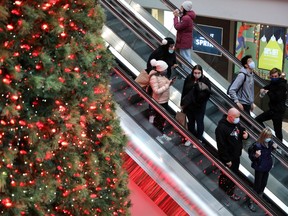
(236, 120)
(267, 140)
(171, 51)
(252, 65)
(197, 76)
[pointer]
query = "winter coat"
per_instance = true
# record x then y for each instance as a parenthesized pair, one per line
(244, 95)
(184, 28)
(162, 53)
(277, 94)
(160, 87)
(264, 162)
(229, 138)
(193, 98)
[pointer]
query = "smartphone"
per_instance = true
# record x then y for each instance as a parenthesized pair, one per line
(173, 78)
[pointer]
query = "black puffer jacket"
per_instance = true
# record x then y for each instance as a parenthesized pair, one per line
(277, 94)
(195, 94)
(162, 53)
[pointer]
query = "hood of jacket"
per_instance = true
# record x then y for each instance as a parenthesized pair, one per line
(191, 14)
(244, 70)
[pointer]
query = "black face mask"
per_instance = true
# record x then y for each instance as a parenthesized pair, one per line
(275, 80)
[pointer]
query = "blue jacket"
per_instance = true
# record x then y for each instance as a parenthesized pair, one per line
(263, 163)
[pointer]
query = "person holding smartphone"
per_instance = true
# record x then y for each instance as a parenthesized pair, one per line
(160, 85)
(262, 163)
(195, 94)
(183, 23)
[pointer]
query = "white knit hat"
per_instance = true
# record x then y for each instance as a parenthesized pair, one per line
(187, 5)
(160, 65)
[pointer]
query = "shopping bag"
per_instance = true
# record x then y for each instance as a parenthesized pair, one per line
(181, 118)
(143, 79)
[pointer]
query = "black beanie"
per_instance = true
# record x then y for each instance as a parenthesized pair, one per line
(168, 41)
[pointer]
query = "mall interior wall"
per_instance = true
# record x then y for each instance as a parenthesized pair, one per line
(228, 22)
(255, 11)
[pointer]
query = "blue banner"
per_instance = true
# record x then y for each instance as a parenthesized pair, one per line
(200, 44)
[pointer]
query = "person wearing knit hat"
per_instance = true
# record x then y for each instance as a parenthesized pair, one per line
(168, 41)
(160, 86)
(183, 23)
(159, 65)
(166, 53)
(187, 5)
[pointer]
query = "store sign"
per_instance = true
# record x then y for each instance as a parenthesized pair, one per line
(200, 44)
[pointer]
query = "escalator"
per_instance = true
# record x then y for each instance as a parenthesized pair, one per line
(213, 114)
(192, 175)
(143, 42)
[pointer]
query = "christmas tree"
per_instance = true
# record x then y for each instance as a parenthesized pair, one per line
(61, 144)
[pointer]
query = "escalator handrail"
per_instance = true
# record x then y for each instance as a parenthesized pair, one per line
(215, 89)
(239, 182)
(134, 77)
(261, 82)
(148, 41)
(225, 52)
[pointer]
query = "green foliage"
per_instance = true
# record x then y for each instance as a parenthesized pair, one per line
(3, 13)
(61, 142)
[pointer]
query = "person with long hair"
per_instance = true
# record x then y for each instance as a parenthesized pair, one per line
(262, 162)
(195, 94)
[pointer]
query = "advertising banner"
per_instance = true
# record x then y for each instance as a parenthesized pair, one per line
(200, 44)
(271, 48)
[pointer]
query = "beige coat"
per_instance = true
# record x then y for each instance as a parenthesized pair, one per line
(160, 86)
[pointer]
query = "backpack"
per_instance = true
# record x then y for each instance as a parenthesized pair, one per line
(228, 89)
(252, 151)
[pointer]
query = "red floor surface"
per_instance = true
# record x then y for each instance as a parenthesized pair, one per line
(142, 205)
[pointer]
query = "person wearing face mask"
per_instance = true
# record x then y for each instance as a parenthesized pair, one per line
(195, 94)
(262, 163)
(166, 53)
(277, 93)
(242, 89)
(229, 137)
